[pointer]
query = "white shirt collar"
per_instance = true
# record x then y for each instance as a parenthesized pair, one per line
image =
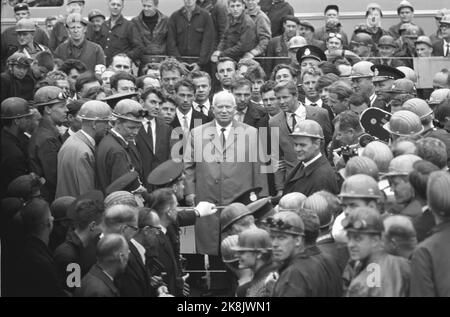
(300, 113)
(119, 135)
(70, 131)
(306, 164)
(424, 208)
(163, 229)
(207, 105)
(180, 116)
(227, 129)
(27, 135)
(91, 139)
(140, 249)
(318, 102)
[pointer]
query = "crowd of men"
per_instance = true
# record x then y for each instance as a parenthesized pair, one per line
(267, 158)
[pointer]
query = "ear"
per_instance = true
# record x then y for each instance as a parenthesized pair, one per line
(298, 241)
(47, 110)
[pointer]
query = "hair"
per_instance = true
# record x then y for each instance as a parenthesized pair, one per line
(311, 222)
(170, 65)
(85, 78)
(405, 149)
(341, 89)
(432, 150)
(114, 80)
(109, 246)
(443, 110)
(290, 86)
(87, 211)
(143, 215)
(152, 90)
(418, 178)
(283, 66)
(117, 215)
(267, 86)
(255, 73)
(312, 72)
(70, 64)
(121, 55)
(162, 198)
(170, 100)
(241, 82)
(185, 82)
(334, 203)
(34, 215)
(93, 92)
(400, 227)
(200, 74)
(328, 68)
(247, 62)
(74, 106)
(326, 80)
(147, 67)
(227, 59)
(348, 120)
(55, 75)
(357, 99)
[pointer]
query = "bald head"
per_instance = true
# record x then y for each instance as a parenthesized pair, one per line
(224, 107)
(119, 217)
(292, 201)
(110, 247)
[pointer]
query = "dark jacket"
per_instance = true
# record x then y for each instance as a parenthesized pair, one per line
(276, 12)
(191, 38)
(59, 34)
(219, 16)
(424, 224)
(338, 252)
(258, 287)
(43, 152)
(13, 87)
(317, 176)
(239, 37)
(429, 264)
(253, 115)
(196, 115)
(277, 47)
(14, 161)
(438, 48)
(154, 42)
(122, 38)
(394, 30)
(88, 52)
(97, 284)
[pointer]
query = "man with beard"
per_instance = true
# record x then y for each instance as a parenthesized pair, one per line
(76, 161)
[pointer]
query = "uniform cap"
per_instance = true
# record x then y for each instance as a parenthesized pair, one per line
(363, 220)
(308, 128)
(418, 106)
(60, 206)
(49, 95)
(228, 255)
(14, 108)
(120, 197)
(285, 222)
(95, 13)
(165, 173)
(423, 40)
(402, 165)
(247, 196)
(438, 189)
(310, 51)
(297, 42)
(360, 186)
(362, 70)
(387, 40)
(404, 123)
(130, 110)
(404, 4)
(254, 239)
(75, 18)
(25, 25)
(19, 59)
(95, 110)
(231, 214)
(384, 72)
(127, 182)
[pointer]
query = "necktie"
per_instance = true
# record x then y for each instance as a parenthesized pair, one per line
(203, 109)
(448, 50)
(294, 122)
(150, 135)
(224, 141)
(185, 124)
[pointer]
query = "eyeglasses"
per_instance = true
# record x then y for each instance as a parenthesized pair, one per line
(444, 26)
(336, 35)
(279, 224)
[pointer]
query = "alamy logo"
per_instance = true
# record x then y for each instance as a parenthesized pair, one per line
(74, 276)
(374, 277)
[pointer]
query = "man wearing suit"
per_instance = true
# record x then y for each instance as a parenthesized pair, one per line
(112, 259)
(313, 173)
(153, 139)
(202, 83)
(282, 124)
(220, 160)
(247, 112)
(442, 47)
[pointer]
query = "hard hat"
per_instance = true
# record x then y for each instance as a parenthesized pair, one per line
(439, 95)
(362, 70)
(380, 153)
(363, 220)
(25, 25)
(409, 73)
(424, 40)
(402, 165)
(387, 40)
(438, 188)
(361, 165)
(404, 4)
(403, 86)
(21, 7)
(129, 109)
(95, 110)
(231, 214)
(285, 222)
(297, 42)
(319, 205)
(445, 19)
(75, 18)
(362, 38)
(308, 128)
(411, 31)
(360, 186)
(14, 108)
(404, 123)
(418, 106)
(440, 13)
(19, 59)
(49, 95)
(95, 13)
(254, 239)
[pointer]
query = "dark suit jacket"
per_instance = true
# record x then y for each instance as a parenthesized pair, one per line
(144, 146)
(135, 281)
(97, 284)
(378, 103)
(315, 177)
(438, 48)
(253, 115)
(196, 115)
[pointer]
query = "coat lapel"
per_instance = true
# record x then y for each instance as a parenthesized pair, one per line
(146, 139)
(80, 135)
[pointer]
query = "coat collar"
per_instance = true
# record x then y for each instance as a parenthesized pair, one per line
(80, 135)
(47, 124)
(98, 272)
(307, 171)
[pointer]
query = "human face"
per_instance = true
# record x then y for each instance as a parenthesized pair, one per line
(202, 89)
(423, 50)
(236, 8)
(97, 23)
(115, 7)
(247, 259)
(360, 49)
(337, 105)
(334, 43)
(64, 85)
(50, 24)
(24, 14)
(121, 63)
(360, 245)
(324, 95)
(25, 38)
(189, 4)
(100, 128)
(251, 4)
(331, 14)
(402, 189)
(270, 102)
(256, 88)
(169, 78)
(184, 98)
(308, 63)
(445, 31)
(58, 112)
(75, 7)
(306, 148)
(88, 86)
(283, 75)
(106, 76)
(286, 101)
(382, 89)
(26, 124)
(305, 31)
(363, 85)
(151, 82)
(125, 86)
(350, 204)
(309, 85)
(77, 31)
(406, 15)
(152, 104)
(178, 188)
(358, 109)
(386, 50)
(149, 8)
(284, 245)
(20, 71)
(290, 29)
(168, 112)
(292, 54)
(128, 129)
(345, 137)
(226, 73)
(74, 122)
(223, 110)
(242, 95)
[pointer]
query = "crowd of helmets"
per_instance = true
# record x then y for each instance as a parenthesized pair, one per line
(392, 206)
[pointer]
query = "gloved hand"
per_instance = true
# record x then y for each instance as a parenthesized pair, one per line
(205, 208)
(163, 292)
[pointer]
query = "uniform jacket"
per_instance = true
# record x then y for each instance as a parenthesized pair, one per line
(313, 178)
(213, 179)
(286, 147)
(191, 38)
(394, 277)
(88, 52)
(97, 284)
(76, 166)
(150, 157)
(239, 37)
(154, 42)
(429, 264)
(394, 30)
(43, 152)
(276, 12)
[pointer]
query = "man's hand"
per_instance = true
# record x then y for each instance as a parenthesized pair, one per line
(280, 165)
(248, 55)
(156, 281)
(163, 292)
(186, 288)
(215, 57)
(190, 200)
(205, 208)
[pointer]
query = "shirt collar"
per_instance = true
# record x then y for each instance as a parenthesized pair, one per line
(309, 102)
(207, 104)
(306, 164)
(180, 115)
(119, 135)
(91, 139)
(140, 249)
(227, 128)
(163, 229)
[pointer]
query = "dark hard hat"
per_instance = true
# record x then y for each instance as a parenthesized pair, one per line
(21, 7)
(95, 13)
(60, 206)
(19, 59)
(363, 220)
(165, 173)
(231, 214)
(127, 182)
(49, 95)
(114, 99)
(254, 239)
(387, 40)
(362, 38)
(129, 109)
(14, 108)
(310, 51)
(287, 222)
(247, 196)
